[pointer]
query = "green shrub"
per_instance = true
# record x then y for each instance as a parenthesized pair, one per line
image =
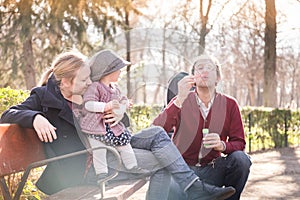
(9, 97)
(141, 116)
(271, 128)
(265, 127)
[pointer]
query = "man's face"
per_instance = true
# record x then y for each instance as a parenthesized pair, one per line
(205, 72)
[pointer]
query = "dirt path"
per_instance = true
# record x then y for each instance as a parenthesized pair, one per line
(275, 175)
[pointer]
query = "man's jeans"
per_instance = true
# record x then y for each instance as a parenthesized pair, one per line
(232, 170)
(156, 153)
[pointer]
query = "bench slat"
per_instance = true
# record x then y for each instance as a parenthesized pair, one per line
(18, 148)
(128, 188)
(74, 193)
(114, 191)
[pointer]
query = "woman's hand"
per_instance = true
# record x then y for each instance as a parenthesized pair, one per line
(113, 118)
(44, 129)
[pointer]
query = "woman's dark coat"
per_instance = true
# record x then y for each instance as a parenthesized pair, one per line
(49, 102)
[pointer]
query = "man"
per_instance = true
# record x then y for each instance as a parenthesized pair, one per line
(193, 114)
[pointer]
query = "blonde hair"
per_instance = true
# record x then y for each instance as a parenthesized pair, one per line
(65, 65)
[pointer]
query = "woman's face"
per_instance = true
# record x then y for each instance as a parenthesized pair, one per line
(81, 81)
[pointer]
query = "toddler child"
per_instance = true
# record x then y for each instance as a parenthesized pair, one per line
(102, 96)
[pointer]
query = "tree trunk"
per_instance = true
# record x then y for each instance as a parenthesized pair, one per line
(162, 79)
(251, 89)
(292, 99)
(204, 20)
(259, 98)
(282, 95)
(28, 64)
(270, 82)
(155, 97)
(127, 36)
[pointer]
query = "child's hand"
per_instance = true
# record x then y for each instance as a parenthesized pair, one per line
(129, 104)
(119, 112)
(114, 104)
(126, 102)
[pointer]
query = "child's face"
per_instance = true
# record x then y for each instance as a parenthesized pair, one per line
(114, 76)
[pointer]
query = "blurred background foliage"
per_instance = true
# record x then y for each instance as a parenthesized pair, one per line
(257, 43)
(265, 128)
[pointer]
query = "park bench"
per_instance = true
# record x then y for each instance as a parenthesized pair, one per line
(22, 151)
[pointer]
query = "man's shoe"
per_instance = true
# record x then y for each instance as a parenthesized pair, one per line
(200, 190)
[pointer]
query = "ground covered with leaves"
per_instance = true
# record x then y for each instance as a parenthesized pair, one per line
(275, 174)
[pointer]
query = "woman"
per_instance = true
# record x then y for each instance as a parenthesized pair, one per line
(48, 110)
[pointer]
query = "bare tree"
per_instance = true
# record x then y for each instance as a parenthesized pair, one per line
(270, 81)
(204, 30)
(288, 77)
(242, 41)
(17, 34)
(126, 9)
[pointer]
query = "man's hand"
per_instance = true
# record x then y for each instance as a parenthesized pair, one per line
(44, 129)
(184, 87)
(212, 140)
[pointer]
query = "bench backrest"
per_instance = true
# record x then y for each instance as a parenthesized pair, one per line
(18, 148)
